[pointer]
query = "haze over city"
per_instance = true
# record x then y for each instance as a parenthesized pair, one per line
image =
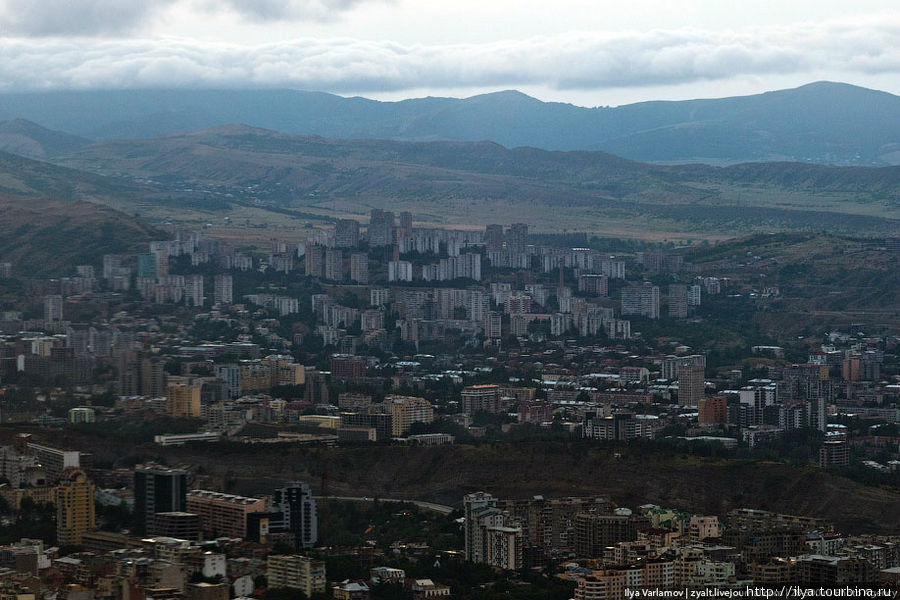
(398, 300)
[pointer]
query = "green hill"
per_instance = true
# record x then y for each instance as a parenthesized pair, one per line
(46, 237)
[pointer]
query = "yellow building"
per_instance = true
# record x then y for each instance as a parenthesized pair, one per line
(406, 410)
(261, 375)
(601, 585)
(255, 376)
(74, 507)
(296, 572)
(183, 401)
(284, 371)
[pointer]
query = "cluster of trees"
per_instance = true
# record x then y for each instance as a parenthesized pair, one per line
(33, 520)
(343, 523)
(467, 581)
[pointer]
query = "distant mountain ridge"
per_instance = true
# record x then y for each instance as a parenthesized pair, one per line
(238, 154)
(827, 123)
(26, 138)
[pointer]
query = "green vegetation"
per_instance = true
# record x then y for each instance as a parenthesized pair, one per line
(34, 520)
(290, 594)
(632, 474)
(138, 430)
(344, 523)
(480, 582)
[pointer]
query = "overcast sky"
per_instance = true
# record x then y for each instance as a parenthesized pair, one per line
(587, 52)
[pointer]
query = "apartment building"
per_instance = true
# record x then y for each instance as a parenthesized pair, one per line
(75, 514)
(296, 572)
(406, 410)
(222, 514)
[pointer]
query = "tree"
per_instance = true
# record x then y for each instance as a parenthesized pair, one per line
(284, 594)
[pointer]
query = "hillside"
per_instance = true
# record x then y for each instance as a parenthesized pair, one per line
(825, 282)
(460, 183)
(25, 138)
(828, 123)
(443, 474)
(26, 177)
(153, 201)
(46, 237)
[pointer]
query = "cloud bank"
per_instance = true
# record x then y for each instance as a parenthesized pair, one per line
(577, 61)
(280, 10)
(42, 18)
(75, 17)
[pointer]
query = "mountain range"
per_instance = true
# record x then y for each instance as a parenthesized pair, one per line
(267, 178)
(827, 123)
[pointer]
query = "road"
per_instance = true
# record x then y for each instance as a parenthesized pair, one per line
(440, 508)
